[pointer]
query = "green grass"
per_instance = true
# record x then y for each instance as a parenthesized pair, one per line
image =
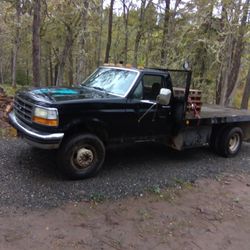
(183, 184)
(97, 197)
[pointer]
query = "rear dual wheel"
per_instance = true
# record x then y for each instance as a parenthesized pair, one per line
(227, 142)
(81, 156)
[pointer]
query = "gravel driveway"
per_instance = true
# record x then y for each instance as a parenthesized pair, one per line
(29, 177)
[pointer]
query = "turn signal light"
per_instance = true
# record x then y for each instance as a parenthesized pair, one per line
(47, 122)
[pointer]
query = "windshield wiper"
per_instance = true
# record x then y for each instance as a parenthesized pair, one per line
(101, 89)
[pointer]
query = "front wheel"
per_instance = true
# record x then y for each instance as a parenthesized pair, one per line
(81, 156)
(230, 142)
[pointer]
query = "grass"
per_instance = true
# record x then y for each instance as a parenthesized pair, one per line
(170, 194)
(183, 184)
(97, 198)
(155, 189)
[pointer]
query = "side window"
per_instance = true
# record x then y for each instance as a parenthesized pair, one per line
(138, 93)
(148, 88)
(151, 86)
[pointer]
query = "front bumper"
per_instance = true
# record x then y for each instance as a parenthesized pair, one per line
(34, 137)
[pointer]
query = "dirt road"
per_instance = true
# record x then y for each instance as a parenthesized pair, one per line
(211, 214)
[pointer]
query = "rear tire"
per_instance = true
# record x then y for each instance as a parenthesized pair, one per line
(81, 156)
(230, 141)
(215, 139)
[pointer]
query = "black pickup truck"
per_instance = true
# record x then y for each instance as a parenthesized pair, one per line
(123, 105)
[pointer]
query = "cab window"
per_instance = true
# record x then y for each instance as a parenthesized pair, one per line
(149, 87)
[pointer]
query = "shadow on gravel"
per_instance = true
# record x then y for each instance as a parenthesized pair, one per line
(150, 154)
(134, 157)
(45, 161)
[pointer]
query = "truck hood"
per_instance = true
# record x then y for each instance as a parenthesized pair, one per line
(58, 94)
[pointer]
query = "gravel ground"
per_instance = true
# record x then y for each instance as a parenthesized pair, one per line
(30, 179)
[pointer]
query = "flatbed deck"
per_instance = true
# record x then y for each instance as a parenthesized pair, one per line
(215, 114)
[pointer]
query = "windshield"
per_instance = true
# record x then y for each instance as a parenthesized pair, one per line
(112, 80)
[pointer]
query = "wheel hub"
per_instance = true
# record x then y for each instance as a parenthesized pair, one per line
(234, 142)
(84, 157)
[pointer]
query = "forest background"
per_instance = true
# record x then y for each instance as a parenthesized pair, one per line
(60, 42)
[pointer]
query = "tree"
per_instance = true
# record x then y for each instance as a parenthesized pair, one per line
(139, 31)
(16, 43)
(69, 41)
(110, 25)
(165, 36)
(36, 47)
(233, 50)
(246, 93)
(81, 69)
(71, 25)
(126, 11)
(99, 51)
(75, 35)
(1, 67)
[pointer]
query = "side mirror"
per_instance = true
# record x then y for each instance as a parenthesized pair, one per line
(164, 97)
(186, 66)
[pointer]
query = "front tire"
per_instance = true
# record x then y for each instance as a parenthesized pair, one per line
(81, 156)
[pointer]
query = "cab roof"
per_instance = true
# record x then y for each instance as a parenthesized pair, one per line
(139, 68)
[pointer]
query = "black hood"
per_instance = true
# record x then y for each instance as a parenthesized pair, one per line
(57, 94)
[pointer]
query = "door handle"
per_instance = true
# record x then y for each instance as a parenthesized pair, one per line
(165, 107)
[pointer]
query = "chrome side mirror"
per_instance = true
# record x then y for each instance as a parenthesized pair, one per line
(164, 97)
(186, 66)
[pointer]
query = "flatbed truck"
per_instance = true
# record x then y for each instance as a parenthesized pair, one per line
(117, 104)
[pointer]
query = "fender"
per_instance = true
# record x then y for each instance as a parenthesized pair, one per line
(89, 124)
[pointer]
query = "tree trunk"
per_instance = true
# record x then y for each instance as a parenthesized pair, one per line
(110, 25)
(70, 70)
(223, 21)
(139, 32)
(46, 71)
(1, 72)
(168, 29)
(246, 93)
(71, 35)
(202, 55)
(50, 67)
(62, 61)
(82, 57)
(100, 34)
(149, 48)
(165, 33)
(126, 10)
(231, 61)
(16, 42)
(238, 51)
(63, 57)
(56, 73)
(36, 52)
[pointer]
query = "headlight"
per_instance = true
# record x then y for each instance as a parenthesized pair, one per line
(46, 116)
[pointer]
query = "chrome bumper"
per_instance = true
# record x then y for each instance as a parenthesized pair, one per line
(36, 138)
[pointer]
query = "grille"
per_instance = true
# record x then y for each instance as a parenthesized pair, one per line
(23, 109)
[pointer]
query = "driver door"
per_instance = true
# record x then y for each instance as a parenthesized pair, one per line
(149, 118)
